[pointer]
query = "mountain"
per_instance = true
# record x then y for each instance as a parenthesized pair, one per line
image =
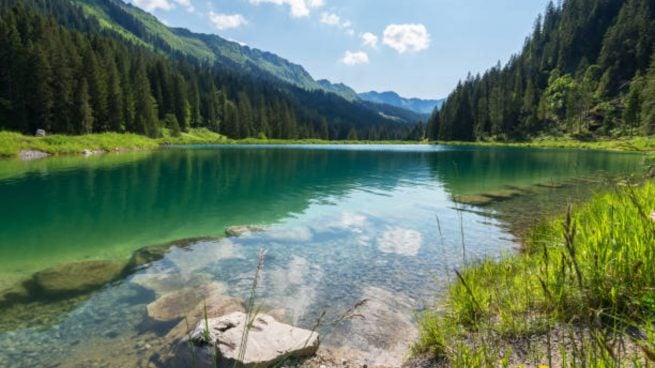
(75, 67)
(588, 68)
(142, 28)
(392, 98)
(339, 89)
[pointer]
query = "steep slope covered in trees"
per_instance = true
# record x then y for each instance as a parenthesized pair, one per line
(59, 70)
(586, 68)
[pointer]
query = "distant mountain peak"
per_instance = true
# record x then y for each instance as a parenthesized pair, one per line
(421, 106)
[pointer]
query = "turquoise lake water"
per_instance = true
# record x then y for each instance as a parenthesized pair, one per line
(343, 223)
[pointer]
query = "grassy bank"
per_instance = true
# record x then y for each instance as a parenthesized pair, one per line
(580, 286)
(633, 144)
(12, 143)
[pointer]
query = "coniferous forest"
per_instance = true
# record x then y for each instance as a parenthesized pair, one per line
(588, 68)
(60, 71)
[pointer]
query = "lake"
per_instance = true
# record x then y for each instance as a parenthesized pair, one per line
(343, 223)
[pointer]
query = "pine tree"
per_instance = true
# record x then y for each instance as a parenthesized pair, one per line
(84, 113)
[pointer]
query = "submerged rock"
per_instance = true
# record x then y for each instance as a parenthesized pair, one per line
(268, 343)
(77, 277)
(185, 302)
(17, 292)
(213, 306)
(32, 154)
(152, 253)
(473, 200)
(240, 230)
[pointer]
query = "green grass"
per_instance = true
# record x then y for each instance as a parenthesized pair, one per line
(593, 269)
(636, 144)
(12, 143)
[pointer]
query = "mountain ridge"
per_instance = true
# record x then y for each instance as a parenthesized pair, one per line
(418, 105)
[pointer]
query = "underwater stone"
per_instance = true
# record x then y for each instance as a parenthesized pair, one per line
(473, 200)
(77, 277)
(152, 253)
(181, 303)
(240, 230)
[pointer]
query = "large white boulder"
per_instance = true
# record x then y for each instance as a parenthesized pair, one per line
(268, 342)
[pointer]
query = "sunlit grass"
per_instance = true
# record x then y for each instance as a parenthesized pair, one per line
(593, 269)
(634, 144)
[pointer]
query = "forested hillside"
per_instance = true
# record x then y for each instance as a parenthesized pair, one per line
(63, 72)
(587, 68)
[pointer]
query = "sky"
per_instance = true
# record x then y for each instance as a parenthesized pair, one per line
(418, 48)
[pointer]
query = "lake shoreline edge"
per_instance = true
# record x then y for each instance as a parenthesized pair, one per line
(17, 145)
(570, 295)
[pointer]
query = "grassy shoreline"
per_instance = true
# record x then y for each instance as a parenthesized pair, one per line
(11, 143)
(580, 294)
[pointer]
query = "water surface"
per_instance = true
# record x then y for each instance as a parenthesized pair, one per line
(344, 223)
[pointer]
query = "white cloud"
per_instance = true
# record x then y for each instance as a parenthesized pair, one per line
(354, 58)
(406, 37)
(186, 4)
(299, 8)
(150, 5)
(401, 241)
(369, 39)
(227, 21)
(331, 19)
(334, 20)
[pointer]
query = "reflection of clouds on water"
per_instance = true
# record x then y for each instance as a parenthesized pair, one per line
(401, 241)
(385, 332)
(347, 221)
(352, 221)
(363, 240)
(293, 287)
(294, 234)
(203, 254)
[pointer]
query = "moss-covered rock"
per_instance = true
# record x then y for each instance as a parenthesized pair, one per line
(473, 200)
(152, 253)
(240, 230)
(77, 277)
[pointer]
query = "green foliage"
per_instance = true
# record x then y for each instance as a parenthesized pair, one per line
(572, 76)
(595, 267)
(64, 69)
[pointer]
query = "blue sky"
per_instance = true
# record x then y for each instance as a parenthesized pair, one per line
(418, 48)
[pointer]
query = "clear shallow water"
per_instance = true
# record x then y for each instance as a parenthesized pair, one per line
(344, 223)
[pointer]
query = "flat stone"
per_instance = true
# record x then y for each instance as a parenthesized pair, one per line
(88, 152)
(268, 343)
(501, 195)
(16, 292)
(152, 253)
(181, 303)
(473, 200)
(77, 277)
(213, 307)
(240, 230)
(32, 154)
